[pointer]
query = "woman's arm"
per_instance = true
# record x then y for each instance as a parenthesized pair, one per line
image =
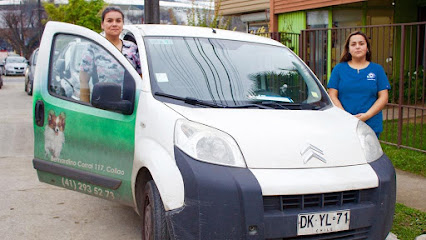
(377, 106)
(334, 93)
(84, 87)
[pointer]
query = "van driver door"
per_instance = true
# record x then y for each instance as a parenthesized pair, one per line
(78, 145)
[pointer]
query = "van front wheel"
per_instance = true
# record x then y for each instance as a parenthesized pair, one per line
(154, 226)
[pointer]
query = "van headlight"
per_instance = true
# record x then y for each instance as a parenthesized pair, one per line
(369, 142)
(207, 144)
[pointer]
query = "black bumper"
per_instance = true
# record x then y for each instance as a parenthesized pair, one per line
(227, 203)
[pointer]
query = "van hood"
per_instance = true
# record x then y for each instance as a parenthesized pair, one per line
(286, 138)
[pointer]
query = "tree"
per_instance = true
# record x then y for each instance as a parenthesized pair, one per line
(21, 27)
(78, 12)
(206, 17)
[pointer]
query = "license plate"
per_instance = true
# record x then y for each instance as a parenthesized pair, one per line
(323, 222)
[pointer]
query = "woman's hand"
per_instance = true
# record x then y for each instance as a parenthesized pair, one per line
(377, 106)
(362, 116)
(84, 87)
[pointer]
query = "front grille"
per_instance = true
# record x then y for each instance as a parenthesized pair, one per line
(354, 234)
(323, 200)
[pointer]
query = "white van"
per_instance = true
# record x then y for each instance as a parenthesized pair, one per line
(225, 136)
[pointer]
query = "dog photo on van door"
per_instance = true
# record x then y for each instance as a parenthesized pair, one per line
(54, 137)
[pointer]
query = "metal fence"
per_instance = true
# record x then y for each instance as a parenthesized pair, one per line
(400, 49)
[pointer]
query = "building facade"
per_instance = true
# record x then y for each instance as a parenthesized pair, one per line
(254, 14)
(295, 16)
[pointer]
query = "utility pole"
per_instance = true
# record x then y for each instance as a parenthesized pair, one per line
(22, 29)
(152, 11)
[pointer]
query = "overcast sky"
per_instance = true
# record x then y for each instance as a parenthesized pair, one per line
(171, 3)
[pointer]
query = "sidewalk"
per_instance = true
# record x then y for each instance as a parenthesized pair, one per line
(411, 190)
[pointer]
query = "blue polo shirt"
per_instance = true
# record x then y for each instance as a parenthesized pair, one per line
(357, 90)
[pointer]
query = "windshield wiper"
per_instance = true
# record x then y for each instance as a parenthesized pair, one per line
(273, 103)
(195, 102)
(291, 106)
(190, 100)
(251, 105)
(302, 106)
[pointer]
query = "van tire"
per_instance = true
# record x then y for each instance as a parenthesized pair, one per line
(154, 225)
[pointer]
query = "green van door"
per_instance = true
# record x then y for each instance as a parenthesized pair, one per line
(79, 145)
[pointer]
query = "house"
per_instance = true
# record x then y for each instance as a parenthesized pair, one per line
(322, 48)
(295, 16)
(288, 15)
(253, 14)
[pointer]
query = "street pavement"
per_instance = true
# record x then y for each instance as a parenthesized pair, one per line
(33, 210)
(411, 190)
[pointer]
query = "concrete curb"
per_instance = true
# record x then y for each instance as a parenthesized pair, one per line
(421, 237)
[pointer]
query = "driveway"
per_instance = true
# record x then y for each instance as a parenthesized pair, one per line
(33, 210)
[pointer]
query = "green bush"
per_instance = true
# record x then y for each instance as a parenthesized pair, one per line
(413, 89)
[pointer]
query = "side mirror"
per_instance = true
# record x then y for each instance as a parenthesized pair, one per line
(108, 96)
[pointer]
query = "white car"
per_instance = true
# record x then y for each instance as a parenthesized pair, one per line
(15, 65)
(29, 72)
(226, 135)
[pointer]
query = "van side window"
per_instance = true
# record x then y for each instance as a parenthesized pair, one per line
(78, 64)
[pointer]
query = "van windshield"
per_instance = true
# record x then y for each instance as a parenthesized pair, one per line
(230, 73)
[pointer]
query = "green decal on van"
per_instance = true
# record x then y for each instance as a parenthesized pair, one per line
(100, 144)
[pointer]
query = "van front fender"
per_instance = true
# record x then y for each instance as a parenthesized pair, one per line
(164, 171)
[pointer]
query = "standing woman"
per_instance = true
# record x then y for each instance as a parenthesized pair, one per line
(94, 61)
(358, 85)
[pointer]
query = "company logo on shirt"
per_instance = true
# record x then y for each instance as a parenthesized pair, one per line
(371, 77)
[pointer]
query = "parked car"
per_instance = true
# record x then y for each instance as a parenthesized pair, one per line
(227, 136)
(15, 65)
(2, 66)
(29, 72)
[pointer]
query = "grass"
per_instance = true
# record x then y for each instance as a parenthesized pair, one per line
(413, 134)
(406, 159)
(408, 223)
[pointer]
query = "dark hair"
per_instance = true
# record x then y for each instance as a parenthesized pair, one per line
(111, 9)
(346, 56)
